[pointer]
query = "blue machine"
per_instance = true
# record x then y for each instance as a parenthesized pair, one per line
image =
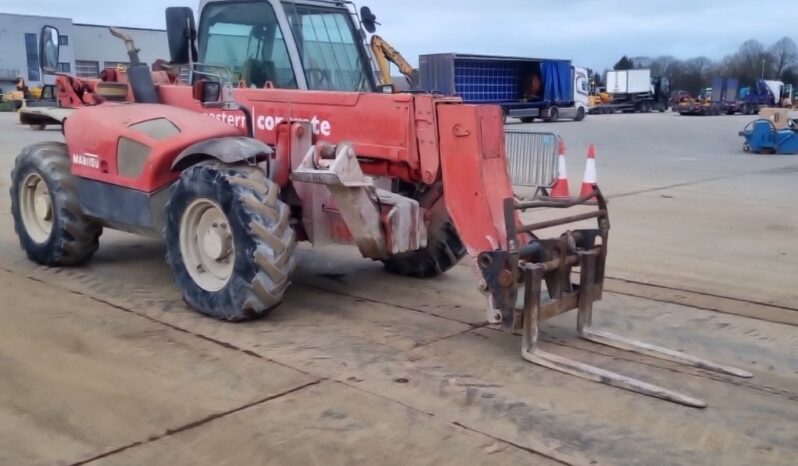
(762, 137)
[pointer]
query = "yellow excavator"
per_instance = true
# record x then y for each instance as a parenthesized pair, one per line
(384, 54)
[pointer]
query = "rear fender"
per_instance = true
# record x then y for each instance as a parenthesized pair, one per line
(231, 149)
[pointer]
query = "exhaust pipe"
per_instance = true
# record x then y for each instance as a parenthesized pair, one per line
(138, 74)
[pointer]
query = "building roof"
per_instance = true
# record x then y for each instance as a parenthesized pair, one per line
(36, 16)
(121, 27)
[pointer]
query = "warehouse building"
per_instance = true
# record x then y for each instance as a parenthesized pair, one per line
(85, 48)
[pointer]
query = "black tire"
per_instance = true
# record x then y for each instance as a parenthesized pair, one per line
(527, 119)
(554, 115)
(73, 238)
(580, 114)
(263, 240)
(444, 249)
(38, 127)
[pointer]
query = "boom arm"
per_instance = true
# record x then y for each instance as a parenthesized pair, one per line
(385, 53)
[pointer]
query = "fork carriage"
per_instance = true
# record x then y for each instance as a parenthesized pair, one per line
(551, 263)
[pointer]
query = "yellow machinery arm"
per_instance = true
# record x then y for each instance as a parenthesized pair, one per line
(385, 53)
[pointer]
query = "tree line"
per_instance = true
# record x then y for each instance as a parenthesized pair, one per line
(750, 62)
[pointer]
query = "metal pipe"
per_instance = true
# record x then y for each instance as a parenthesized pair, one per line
(562, 221)
(559, 204)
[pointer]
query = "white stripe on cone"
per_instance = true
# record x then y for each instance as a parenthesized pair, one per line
(590, 172)
(561, 188)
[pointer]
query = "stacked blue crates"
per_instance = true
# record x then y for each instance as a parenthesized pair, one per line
(486, 81)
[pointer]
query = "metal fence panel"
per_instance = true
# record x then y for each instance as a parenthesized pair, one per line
(532, 157)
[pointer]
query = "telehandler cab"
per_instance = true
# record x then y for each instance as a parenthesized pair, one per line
(281, 137)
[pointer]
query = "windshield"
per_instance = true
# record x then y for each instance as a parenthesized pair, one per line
(329, 48)
(245, 38)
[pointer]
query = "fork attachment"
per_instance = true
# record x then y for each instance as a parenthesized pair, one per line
(552, 261)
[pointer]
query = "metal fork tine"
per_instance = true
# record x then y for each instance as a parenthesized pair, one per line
(628, 344)
(530, 352)
(585, 319)
(596, 374)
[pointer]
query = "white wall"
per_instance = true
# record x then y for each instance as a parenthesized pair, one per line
(13, 57)
(86, 43)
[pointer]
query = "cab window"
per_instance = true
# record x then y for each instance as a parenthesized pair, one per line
(245, 38)
(330, 49)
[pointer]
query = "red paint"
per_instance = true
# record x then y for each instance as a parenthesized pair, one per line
(96, 131)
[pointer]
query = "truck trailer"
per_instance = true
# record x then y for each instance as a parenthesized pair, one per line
(719, 99)
(525, 88)
(634, 91)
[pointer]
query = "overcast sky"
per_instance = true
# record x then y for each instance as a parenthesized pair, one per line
(592, 33)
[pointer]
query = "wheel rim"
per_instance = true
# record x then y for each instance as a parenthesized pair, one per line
(206, 244)
(36, 208)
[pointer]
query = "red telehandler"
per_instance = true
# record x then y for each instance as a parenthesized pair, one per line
(284, 136)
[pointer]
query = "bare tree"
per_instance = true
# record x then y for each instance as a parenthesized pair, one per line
(696, 74)
(785, 55)
(751, 62)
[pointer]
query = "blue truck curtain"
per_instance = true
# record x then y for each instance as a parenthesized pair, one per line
(557, 79)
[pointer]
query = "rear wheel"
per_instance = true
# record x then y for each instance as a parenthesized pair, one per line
(48, 220)
(554, 115)
(527, 119)
(229, 241)
(580, 114)
(444, 248)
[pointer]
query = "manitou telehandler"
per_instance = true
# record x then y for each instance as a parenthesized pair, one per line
(284, 136)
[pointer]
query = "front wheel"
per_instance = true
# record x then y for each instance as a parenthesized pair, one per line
(554, 115)
(444, 248)
(229, 242)
(580, 114)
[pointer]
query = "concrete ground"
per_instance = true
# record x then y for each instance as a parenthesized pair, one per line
(104, 363)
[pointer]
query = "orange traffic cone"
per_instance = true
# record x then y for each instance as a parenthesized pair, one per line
(560, 189)
(590, 174)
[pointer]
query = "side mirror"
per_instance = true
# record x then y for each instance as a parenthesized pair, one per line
(206, 92)
(368, 19)
(182, 34)
(48, 50)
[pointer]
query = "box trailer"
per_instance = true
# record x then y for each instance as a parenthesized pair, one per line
(720, 99)
(634, 91)
(628, 81)
(525, 88)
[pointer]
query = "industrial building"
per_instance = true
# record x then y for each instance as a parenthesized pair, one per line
(85, 48)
